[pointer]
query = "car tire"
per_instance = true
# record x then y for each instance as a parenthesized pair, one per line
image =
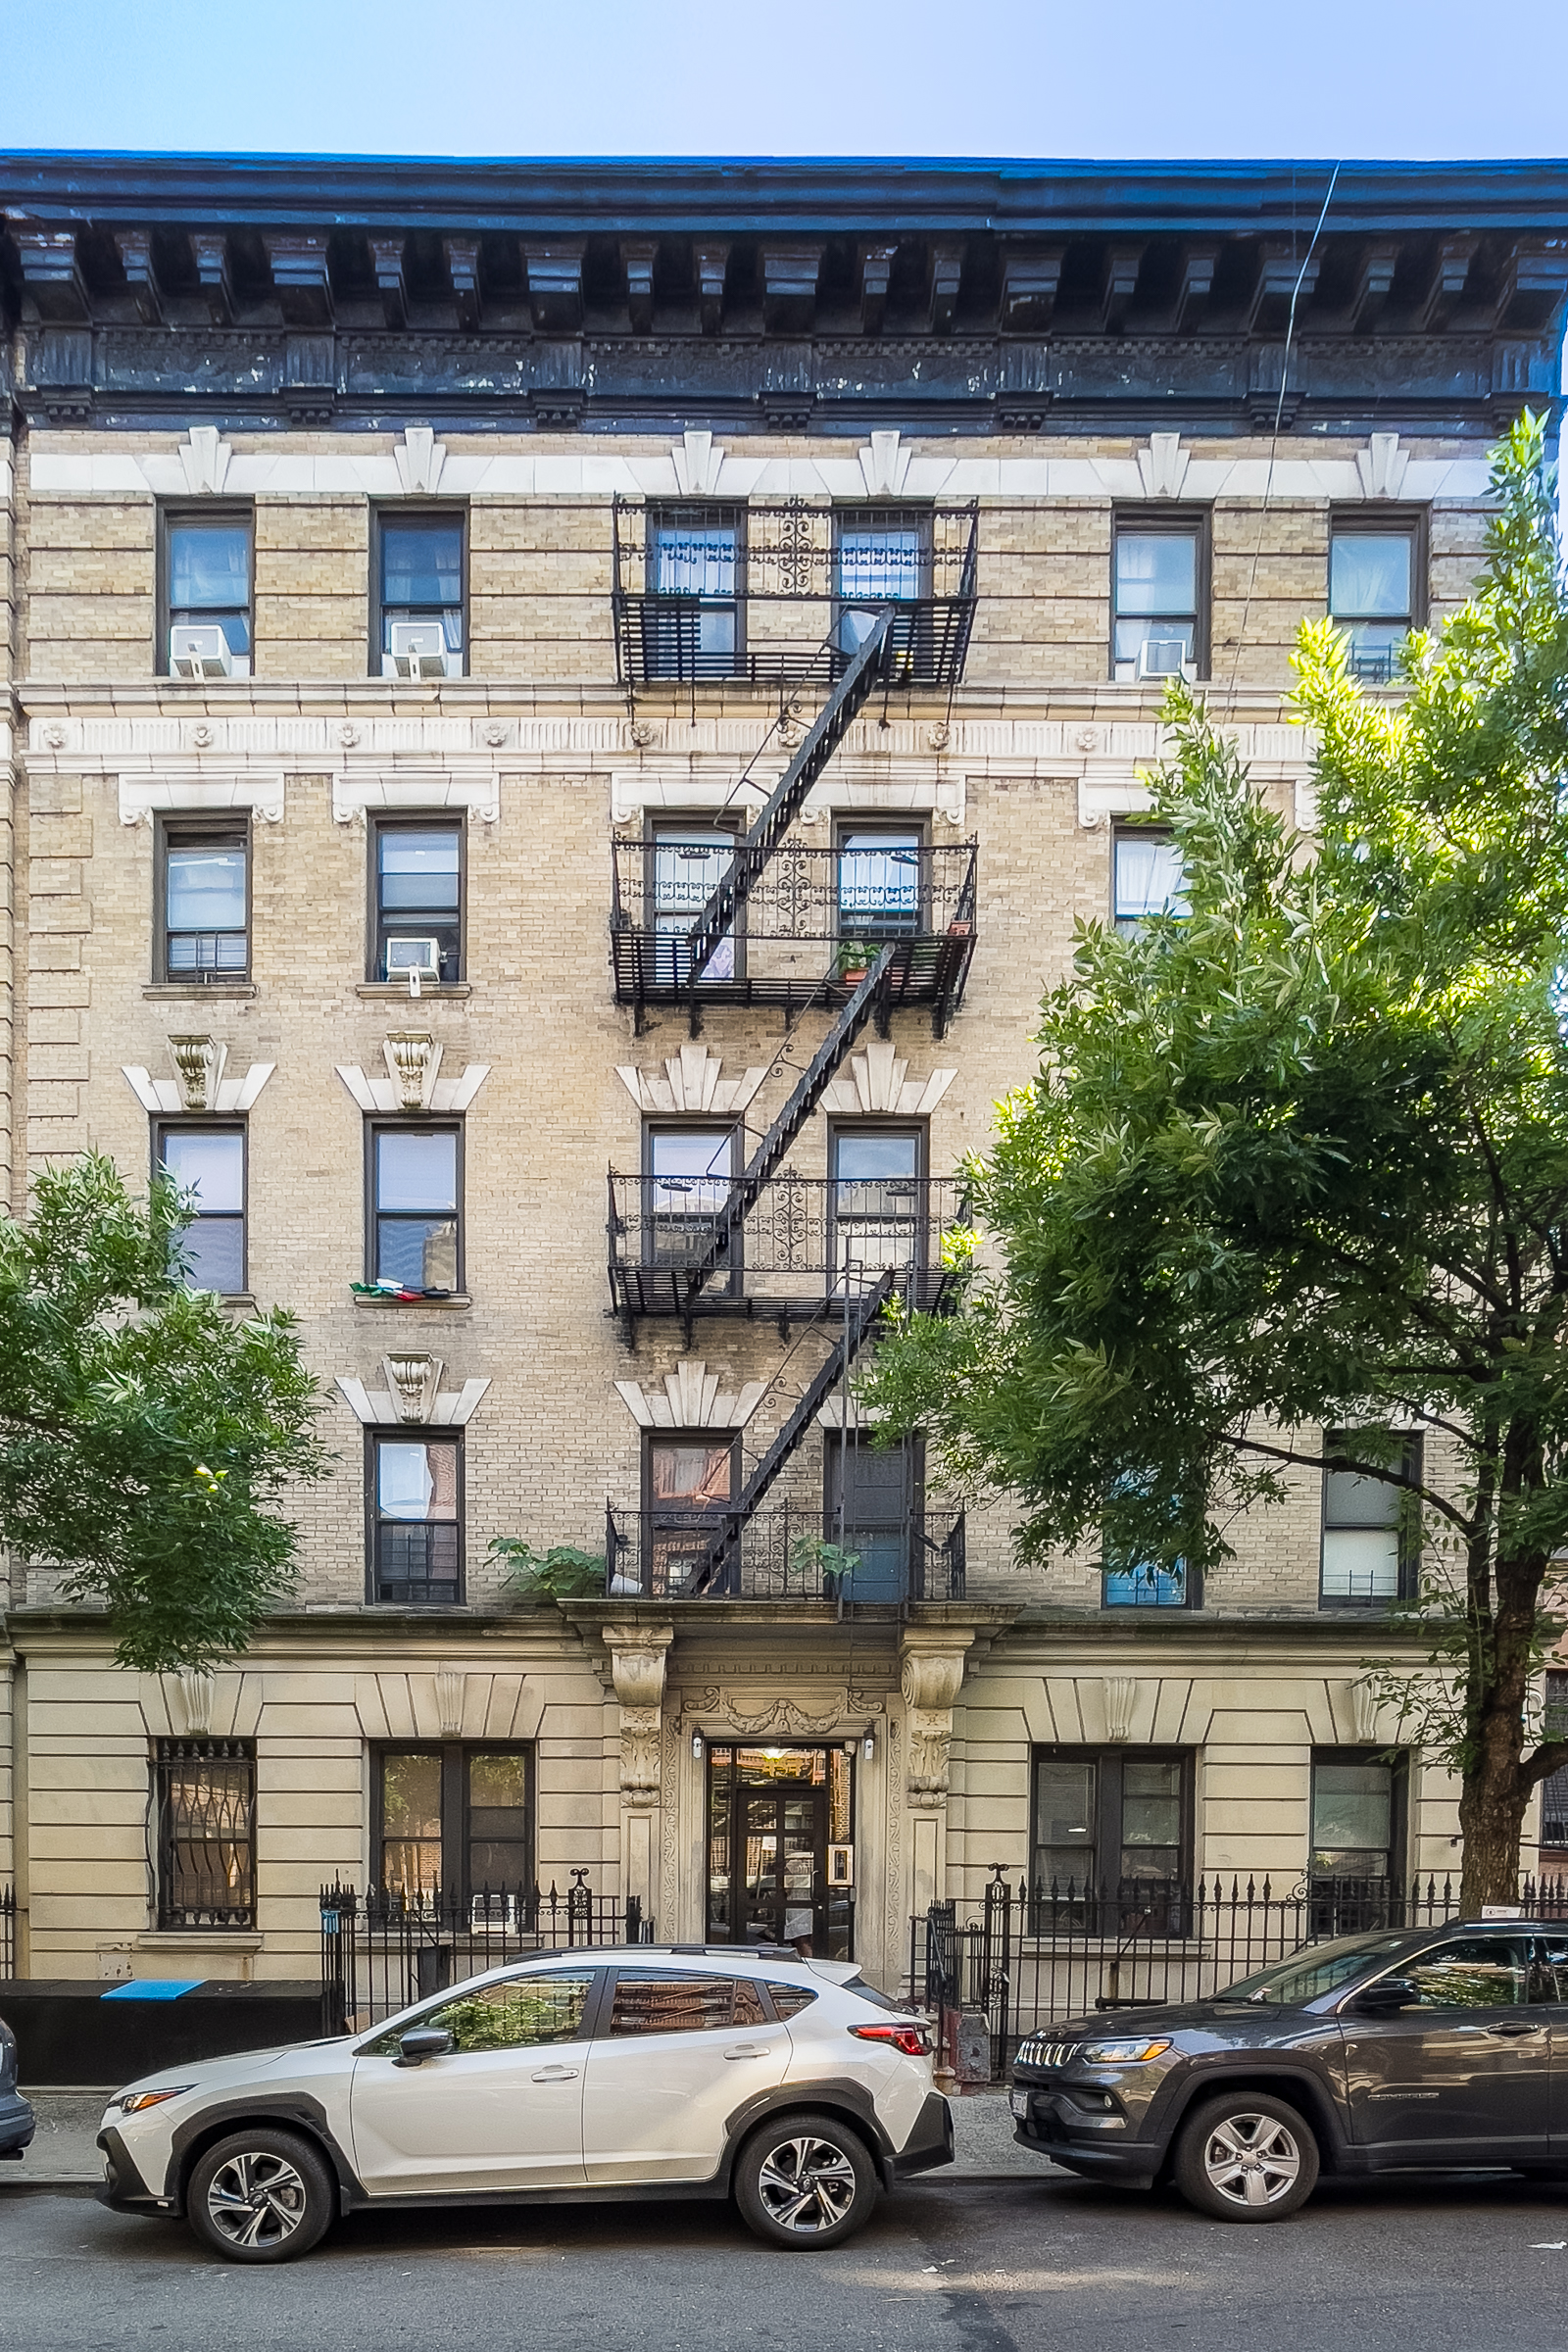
(260, 2195)
(805, 2179)
(1246, 2157)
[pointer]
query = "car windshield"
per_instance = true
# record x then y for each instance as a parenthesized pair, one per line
(1304, 1976)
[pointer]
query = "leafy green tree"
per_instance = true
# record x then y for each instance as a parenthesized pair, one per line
(1298, 1160)
(145, 1436)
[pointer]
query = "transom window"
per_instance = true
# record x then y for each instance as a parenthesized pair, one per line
(415, 1205)
(1148, 876)
(207, 575)
(419, 900)
(205, 902)
(1372, 593)
(421, 595)
(454, 1818)
(1157, 587)
(209, 1163)
(417, 1520)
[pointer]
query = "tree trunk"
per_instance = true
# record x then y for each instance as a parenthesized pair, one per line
(1491, 1816)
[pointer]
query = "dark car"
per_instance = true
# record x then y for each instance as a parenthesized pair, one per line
(1437, 2050)
(16, 2120)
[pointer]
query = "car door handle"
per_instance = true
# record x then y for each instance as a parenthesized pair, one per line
(746, 2049)
(1512, 2032)
(557, 2074)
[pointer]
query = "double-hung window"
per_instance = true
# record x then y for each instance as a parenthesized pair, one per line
(1376, 589)
(1147, 876)
(877, 1208)
(1358, 1836)
(693, 617)
(1555, 1789)
(421, 595)
(686, 863)
(455, 1817)
(417, 916)
(207, 564)
(689, 1479)
(208, 1163)
(687, 1173)
(204, 1805)
(203, 902)
(880, 881)
(1160, 594)
(416, 1208)
(1371, 1539)
(882, 556)
(415, 1514)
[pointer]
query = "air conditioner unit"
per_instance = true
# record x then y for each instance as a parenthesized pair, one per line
(419, 649)
(413, 960)
(200, 652)
(1164, 658)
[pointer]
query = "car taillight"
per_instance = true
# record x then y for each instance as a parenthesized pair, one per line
(913, 2040)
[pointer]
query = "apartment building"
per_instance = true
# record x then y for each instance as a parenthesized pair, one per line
(560, 721)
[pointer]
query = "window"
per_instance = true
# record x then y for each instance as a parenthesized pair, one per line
(206, 595)
(1111, 1826)
(688, 862)
(1555, 1789)
(1147, 876)
(420, 596)
(416, 1211)
(1371, 1530)
(208, 1162)
(521, 2013)
(1375, 581)
(415, 1514)
(880, 881)
(1131, 1581)
(688, 1479)
(648, 2003)
(686, 1172)
(1159, 594)
(203, 903)
(883, 558)
(694, 562)
(871, 1511)
(455, 1817)
(416, 919)
(203, 1795)
(878, 1202)
(1354, 1818)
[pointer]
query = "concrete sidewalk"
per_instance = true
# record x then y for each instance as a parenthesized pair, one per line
(64, 2156)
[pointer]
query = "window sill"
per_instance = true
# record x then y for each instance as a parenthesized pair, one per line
(455, 1299)
(193, 992)
(397, 991)
(243, 1301)
(183, 1940)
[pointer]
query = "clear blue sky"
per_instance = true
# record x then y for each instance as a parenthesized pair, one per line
(982, 77)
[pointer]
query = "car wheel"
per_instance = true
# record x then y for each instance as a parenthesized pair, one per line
(804, 2180)
(260, 2196)
(1246, 2158)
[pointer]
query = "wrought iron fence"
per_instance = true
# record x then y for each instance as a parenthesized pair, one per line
(796, 1552)
(1036, 1954)
(382, 1949)
(8, 1930)
(806, 1240)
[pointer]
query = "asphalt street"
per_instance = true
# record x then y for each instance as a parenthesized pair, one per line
(962, 2266)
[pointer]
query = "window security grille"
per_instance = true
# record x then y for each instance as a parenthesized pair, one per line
(205, 1796)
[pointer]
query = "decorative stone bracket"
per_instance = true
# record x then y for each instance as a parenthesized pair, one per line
(691, 1082)
(198, 1085)
(692, 1398)
(412, 1082)
(638, 1656)
(879, 1081)
(931, 1675)
(413, 1393)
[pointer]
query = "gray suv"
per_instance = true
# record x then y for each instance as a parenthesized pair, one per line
(1433, 2049)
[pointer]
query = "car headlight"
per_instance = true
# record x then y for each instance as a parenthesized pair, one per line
(1133, 2051)
(131, 2102)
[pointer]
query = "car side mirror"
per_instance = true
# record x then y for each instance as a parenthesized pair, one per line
(421, 2043)
(1389, 1994)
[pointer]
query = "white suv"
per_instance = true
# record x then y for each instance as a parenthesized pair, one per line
(790, 2086)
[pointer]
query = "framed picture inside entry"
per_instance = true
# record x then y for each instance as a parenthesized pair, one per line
(840, 1866)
